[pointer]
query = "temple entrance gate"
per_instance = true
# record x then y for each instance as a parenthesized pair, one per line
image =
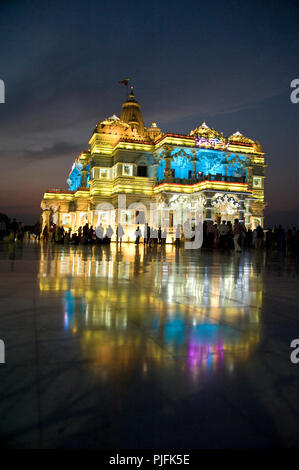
(225, 207)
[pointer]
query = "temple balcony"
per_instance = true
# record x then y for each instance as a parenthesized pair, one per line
(200, 178)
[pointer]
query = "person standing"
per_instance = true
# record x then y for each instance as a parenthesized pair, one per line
(248, 239)
(109, 233)
(119, 233)
(237, 233)
(79, 234)
(85, 233)
(21, 231)
(178, 235)
(164, 236)
(68, 236)
(138, 235)
(223, 233)
(254, 234)
(100, 232)
(91, 234)
(216, 236)
(15, 227)
(2, 229)
(149, 235)
(160, 236)
(259, 237)
(210, 235)
(145, 234)
(46, 233)
(242, 236)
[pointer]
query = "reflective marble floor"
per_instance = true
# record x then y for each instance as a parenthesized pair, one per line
(147, 348)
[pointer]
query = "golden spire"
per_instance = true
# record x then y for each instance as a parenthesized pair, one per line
(132, 115)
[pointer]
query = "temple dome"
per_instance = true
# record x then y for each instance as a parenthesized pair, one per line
(154, 132)
(205, 132)
(112, 125)
(238, 137)
(132, 115)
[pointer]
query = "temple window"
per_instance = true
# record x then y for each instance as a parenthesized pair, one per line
(142, 171)
(127, 169)
(257, 182)
(66, 220)
(104, 173)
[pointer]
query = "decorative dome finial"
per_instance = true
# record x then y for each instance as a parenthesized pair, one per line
(132, 94)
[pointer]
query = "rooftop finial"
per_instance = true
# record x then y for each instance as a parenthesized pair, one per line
(132, 95)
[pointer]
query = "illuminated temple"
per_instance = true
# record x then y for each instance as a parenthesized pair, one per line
(224, 176)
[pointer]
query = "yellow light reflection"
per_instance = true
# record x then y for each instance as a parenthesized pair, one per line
(132, 303)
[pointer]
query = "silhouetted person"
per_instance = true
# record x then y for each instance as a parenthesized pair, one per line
(223, 233)
(259, 237)
(138, 235)
(178, 235)
(160, 235)
(2, 229)
(237, 234)
(210, 235)
(109, 233)
(119, 233)
(14, 226)
(100, 232)
(46, 233)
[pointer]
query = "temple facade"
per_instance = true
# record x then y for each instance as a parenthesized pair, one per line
(222, 176)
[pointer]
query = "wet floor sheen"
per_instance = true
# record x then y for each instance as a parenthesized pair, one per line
(138, 347)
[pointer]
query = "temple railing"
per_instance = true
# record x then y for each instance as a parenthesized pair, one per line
(200, 178)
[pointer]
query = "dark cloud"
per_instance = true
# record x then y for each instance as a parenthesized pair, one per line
(57, 150)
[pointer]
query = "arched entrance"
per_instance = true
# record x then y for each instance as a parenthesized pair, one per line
(225, 207)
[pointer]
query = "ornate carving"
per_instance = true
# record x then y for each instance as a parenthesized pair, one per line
(206, 132)
(225, 203)
(238, 137)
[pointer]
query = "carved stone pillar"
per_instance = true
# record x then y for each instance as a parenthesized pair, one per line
(193, 169)
(154, 170)
(84, 177)
(46, 218)
(167, 173)
(247, 213)
(242, 219)
(58, 220)
(208, 207)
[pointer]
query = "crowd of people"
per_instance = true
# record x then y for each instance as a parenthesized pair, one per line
(223, 236)
(228, 236)
(17, 230)
(99, 235)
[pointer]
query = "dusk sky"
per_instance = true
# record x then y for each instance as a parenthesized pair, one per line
(229, 63)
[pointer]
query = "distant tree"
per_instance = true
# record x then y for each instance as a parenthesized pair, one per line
(5, 219)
